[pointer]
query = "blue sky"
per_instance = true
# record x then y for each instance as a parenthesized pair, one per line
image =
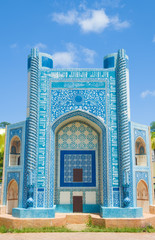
(77, 34)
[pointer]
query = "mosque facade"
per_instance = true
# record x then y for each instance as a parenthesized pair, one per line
(77, 150)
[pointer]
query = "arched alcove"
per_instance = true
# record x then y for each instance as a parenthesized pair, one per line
(12, 196)
(143, 196)
(140, 152)
(15, 148)
(80, 147)
(77, 163)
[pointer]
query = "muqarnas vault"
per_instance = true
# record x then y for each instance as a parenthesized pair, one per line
(77, 151)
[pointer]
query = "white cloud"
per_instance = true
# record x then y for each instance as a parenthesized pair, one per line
(14, 45)
(62, 18)
(153, 39)
(90, 20)
(67, 58)
(118, 24)
(40, 46)
(89, 55)
(148, 93)
(63, 59)
(73, 55)
(94, 21)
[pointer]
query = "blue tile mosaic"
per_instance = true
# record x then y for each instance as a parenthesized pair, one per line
(84, 160)
(77, 119)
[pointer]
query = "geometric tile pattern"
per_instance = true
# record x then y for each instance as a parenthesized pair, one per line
(77, 135)
(82, 161)
(77, 159)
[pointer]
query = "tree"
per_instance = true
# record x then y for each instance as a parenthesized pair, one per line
(2, 143)
(3, 124)
(153, 140)
(152, 127)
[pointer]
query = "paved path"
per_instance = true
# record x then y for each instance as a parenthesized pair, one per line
(77, 236)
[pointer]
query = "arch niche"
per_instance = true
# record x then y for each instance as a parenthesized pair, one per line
(15, 148)
(143, 196)
(12, 196)
(80, 160)
(140, 152)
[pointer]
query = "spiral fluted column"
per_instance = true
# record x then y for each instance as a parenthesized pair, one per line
(32, 122)
(123, 120)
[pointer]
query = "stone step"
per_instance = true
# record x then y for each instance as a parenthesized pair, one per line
(76, 227)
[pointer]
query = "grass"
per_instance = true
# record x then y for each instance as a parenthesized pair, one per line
(3, 229)
(89, 228)
(96, 228)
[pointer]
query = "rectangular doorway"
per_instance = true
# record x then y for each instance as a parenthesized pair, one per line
(77, 204)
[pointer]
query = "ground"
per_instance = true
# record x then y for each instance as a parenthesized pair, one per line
(77, 236)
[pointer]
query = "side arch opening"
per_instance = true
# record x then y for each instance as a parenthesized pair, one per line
(140, 152)
(143, 196)
(12, 196)
(15, 149)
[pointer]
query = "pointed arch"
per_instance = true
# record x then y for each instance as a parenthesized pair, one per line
(79, 113)
(88, 120)
(12, 196)
(140, 152)
(143, 195)
(15, 150)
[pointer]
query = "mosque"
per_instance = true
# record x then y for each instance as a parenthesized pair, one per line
(77, 150)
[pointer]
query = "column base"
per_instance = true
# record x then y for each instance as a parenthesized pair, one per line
(112, 212)
(33, 212)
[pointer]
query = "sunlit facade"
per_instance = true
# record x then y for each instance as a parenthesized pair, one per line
(77, 151)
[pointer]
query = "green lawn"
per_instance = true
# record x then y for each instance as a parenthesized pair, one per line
(92, 228)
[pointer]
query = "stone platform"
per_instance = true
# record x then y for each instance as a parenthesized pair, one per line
(63, 219)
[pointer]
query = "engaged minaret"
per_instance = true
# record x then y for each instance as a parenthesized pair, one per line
(123, 124)
(32, 122)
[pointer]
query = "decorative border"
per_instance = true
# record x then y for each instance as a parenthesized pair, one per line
(81, 184)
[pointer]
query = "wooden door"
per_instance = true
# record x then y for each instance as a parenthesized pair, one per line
(77, 204)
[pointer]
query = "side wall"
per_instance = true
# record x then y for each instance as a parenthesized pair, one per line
(140, 172)
(14, 172)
